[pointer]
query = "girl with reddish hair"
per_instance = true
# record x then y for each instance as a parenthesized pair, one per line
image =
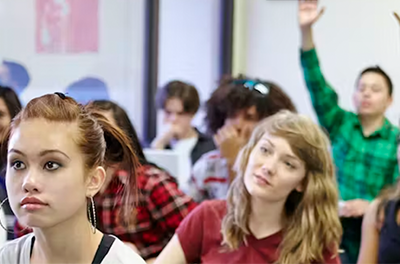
(57, 156)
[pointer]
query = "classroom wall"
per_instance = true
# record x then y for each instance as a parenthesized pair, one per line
(350, 36)
(118, 59)
(189, 46)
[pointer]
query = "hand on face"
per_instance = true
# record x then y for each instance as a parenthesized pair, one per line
(174, 131)
(230, 140)
(308, 13)
(353, 208)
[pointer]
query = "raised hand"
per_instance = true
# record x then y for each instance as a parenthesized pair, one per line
(309, 13)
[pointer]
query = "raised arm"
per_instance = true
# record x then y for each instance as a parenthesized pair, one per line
(308, 15)
(324, 98)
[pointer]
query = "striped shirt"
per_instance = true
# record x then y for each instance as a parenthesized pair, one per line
(210, 177)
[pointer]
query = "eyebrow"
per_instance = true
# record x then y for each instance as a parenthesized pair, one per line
(42, 153)
(286, 155)
(267, 141)
(292, 157)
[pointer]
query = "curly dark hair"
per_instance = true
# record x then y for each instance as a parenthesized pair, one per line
(231, 97)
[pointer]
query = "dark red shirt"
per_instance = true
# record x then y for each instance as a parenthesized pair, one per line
(200, 237)
(162, 207)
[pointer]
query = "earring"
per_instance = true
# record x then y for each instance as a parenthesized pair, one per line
(1, 224)
(92, 212)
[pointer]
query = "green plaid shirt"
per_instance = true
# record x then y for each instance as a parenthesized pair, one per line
(364, 165)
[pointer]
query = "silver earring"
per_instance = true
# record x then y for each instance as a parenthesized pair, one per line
(1, 224)
(92, 211)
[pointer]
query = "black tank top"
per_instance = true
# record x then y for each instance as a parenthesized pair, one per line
(389, 239)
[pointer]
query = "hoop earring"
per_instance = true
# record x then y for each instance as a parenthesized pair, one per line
(1, 224)
(92, 211)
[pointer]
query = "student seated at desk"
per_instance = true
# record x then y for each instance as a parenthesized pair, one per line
(161, 205)
(179, 102)
(52, 180)
(364, 144)
(234, 108)
(281, 207)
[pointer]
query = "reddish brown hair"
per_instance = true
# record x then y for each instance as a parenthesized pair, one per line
(102, 143)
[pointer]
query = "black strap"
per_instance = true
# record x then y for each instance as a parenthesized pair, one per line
(32, 242)
(105, 245)
(101, 252)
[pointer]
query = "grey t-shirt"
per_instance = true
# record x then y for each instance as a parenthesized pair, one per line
(18, 251)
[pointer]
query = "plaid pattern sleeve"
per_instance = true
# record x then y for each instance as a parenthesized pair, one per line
(364, 164)
(160, 210)
(168, 205)
(396, 172)
(324, 99)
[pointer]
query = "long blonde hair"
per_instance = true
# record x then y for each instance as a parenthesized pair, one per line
(312, 223)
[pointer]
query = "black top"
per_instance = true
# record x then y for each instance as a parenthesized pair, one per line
(101, 252)
(204, 144)
(389, 239)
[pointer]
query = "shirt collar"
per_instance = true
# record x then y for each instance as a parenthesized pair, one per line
(383, 131)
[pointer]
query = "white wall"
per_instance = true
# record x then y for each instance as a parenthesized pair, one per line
(350, 36)
(189, 45)
(119, 60)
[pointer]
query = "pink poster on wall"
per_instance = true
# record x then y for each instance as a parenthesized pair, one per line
(67, 26)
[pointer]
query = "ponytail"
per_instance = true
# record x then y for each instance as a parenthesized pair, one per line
(119, 151)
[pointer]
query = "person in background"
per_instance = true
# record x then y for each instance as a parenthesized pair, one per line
(10, 106)
(180, 102)
(281, 207)
(51, 182)
(380, 228)
(364, 144)
(233, 110)
(161, 205)
(14, 75)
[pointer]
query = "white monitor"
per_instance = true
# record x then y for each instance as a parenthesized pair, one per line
(177, 164)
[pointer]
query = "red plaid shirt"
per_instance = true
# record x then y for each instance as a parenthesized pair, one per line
(162, 207)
